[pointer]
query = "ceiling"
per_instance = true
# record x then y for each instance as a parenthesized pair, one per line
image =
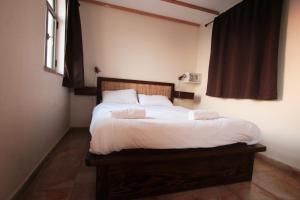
(176, 11)
(219, 5)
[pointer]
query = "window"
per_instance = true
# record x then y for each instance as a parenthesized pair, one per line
(55, 35)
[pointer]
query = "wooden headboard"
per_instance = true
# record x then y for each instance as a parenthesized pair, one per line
(142, 87)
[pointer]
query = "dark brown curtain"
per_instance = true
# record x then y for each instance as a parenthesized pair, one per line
(244, 51)
(74, 69)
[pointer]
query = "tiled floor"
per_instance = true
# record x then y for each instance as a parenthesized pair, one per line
(64, 176)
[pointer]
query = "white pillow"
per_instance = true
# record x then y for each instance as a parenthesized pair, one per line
(120, 96)
(154, 100)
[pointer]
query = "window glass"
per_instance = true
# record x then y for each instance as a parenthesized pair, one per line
(51, 3)
(55, 35)
(51, 28)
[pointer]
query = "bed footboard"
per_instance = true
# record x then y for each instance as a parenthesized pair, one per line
(133, 174)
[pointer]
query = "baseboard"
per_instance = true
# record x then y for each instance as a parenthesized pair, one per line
(280, 165)
(24, 185)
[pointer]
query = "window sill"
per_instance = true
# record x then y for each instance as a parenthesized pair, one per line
(53, 71)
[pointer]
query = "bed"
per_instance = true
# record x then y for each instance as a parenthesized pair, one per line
(149, 166)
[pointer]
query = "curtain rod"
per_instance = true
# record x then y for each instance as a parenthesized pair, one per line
(206, 25)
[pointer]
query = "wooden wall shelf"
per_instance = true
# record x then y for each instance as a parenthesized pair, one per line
(184, 95)
(86, 91)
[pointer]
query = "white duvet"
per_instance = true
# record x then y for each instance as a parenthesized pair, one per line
(165, 127)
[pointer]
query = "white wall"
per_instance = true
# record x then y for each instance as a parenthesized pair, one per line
(278, 120)
(34, 107)
(132, 46)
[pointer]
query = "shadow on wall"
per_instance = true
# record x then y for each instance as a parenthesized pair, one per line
(282, 49)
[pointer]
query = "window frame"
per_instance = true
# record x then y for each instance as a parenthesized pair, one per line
(53, 12)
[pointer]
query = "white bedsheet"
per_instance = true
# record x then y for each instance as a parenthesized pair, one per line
(165, 127)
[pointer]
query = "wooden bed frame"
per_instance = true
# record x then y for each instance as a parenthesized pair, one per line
(135, 173)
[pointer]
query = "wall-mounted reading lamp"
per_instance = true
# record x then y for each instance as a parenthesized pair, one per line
(182, 77)
(97, 70)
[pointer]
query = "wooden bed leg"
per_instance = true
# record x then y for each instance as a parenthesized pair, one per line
(251, 166)
(101, 183)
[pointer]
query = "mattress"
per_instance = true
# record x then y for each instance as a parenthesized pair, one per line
(165, 127)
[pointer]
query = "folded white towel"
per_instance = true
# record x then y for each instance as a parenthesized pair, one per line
(202, 115)
(129, 113)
